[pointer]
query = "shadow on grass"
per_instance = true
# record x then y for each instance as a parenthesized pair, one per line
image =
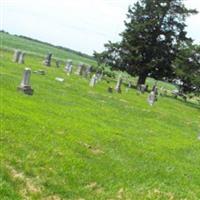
(187, 103)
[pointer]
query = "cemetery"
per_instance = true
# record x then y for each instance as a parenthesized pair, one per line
(87, 114)
(65, 135)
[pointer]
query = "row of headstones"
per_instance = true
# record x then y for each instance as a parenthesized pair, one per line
(26, 88)
(82, 70)
(19, 57)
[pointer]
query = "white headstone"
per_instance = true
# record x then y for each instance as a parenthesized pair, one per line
(21, 58)
(59, 79)
(93, 80)
(118, 85)
(80, 69)
(151, 98)
(69, 67)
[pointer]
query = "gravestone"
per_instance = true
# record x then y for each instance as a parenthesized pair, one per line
(68, 67)
(80, 69)
(143, 88)
(47, 60)
(41, 72)
(93, 81)
(21, 58)
(16, 55)
(25, 83)
(59, 79)
(118, 85)
(155, 89)
(152, 98)
(88, 70)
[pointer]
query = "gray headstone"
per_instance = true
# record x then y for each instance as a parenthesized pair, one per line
(25, 83)
(47, 60)
(69, 67)
(16, 55)
(88, 71)
(80, 69)
(21, 58)
(41, 72)
(152, 98)
(142, 88)
(118, 85)
(93, 81)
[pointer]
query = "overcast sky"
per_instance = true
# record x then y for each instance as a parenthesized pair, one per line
(83, 25)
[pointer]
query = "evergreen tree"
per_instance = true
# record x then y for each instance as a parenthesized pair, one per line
(187, 68)
(154, 31)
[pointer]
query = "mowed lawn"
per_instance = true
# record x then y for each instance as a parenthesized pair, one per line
(70, 141)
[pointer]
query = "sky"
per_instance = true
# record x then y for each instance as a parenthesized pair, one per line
(82, 25)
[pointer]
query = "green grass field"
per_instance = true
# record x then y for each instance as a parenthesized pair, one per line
(70, 141)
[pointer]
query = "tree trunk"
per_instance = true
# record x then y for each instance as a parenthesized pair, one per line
(141, 79)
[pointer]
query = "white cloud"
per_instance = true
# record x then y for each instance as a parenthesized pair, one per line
(83, 25)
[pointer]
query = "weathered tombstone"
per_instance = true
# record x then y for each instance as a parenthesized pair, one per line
(41, 72)
(57, 63)
(155, 89)
(59, 79)
(88, 70)
(16, 55)
(151, 98)
(21, 58)
(142, 88)
(69, 67)
(110, 90)
(118, 85)
(25, 83)
(93, 80)
(80, 69)
(47, 60)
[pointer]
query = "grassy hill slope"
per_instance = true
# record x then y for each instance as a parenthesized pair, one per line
(40, 49)
(70, 141)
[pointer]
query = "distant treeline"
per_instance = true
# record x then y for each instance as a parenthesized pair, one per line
(59, 47)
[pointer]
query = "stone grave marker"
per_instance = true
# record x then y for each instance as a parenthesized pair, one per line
(118, 85)
(80, 69)
(47, 60)
(16, 56)
(25, 83)
(40, 71)
(21, 58)
(152, 98)
(69, 67)
(59, 79)
(93, 80)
